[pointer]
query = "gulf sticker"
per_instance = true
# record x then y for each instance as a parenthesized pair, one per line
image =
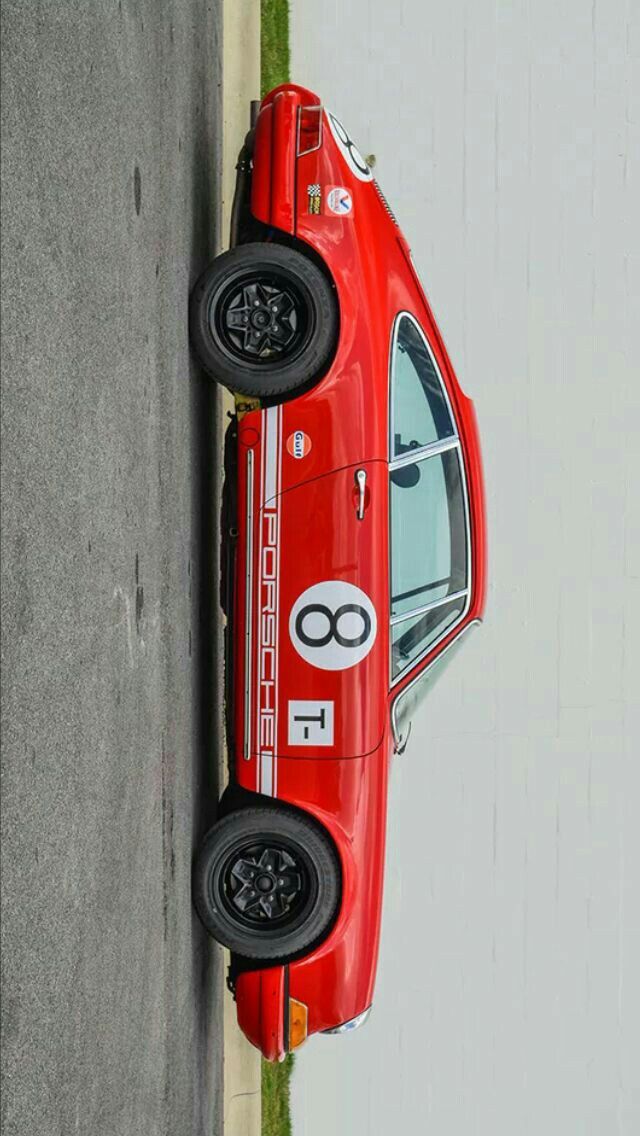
(298, 444)
(339, 200)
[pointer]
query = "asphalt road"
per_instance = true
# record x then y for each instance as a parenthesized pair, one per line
(111, 994)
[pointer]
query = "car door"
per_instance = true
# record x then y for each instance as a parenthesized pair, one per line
(324, 599)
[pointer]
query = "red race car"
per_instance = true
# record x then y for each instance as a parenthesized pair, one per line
(354, 561)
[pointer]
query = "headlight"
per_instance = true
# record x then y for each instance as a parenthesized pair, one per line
(354, 1024)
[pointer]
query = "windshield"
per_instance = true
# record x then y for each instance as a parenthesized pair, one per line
(413, 636)
(415, 692)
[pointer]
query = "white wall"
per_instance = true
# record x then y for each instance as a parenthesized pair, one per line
(508, 997)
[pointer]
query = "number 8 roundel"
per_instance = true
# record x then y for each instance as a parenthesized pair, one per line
(333, 625)
(348, 149)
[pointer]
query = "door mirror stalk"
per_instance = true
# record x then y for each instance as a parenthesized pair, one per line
(402, 743)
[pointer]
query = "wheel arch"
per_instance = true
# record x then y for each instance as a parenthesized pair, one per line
(281, 379)
(292, 241)
(260, 232)
(236, 798)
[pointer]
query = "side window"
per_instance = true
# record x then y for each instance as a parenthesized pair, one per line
(419, 410)
(428, 532)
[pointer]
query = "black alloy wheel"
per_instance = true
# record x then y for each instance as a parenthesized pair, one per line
(266, 883)
(262, 317)
(264, 320)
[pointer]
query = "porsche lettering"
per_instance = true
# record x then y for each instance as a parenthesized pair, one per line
(267, 657)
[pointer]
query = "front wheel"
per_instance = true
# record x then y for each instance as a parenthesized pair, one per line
(264, 320)
(266, 883)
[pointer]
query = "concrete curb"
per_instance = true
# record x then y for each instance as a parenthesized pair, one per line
(240, 84)
(242, 1100)
(242, 1103)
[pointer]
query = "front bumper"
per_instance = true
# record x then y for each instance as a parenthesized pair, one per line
(262, 1001)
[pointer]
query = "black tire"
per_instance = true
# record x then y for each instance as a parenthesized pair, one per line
(249, 340)
(280, 847)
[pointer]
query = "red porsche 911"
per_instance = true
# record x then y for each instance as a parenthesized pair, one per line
(353, 561)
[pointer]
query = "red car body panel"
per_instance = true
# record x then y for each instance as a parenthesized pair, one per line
(260, 997)
(297, 528)
(350, 799)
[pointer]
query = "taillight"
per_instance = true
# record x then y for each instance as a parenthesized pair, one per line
(309, 129)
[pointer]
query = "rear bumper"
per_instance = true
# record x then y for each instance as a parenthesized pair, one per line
(262, 1003)
(273, 184)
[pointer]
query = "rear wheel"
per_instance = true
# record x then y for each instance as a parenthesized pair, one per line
(264, 320)
(266, 883)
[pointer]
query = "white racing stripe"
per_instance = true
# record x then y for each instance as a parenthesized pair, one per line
(248, 628)
(268, 600)
(271, 417)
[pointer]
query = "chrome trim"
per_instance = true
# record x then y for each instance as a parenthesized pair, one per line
(354, 1024)
(361, 485)
(397, 738)
(385, 203)
(248, 609)
(406, 615)
(420, 452)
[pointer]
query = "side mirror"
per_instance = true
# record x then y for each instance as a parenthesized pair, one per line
(402, 744)
(406, 476)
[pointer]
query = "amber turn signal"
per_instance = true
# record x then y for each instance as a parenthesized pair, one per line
(298, 1015)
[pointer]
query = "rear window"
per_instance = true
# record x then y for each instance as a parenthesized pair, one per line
(420, 411)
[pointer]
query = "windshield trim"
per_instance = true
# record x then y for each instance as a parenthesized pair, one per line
(397, 737)
(423, 453)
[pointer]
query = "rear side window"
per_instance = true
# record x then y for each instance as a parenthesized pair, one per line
(420, 412)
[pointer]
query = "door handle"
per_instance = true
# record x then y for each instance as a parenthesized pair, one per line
(361, 485)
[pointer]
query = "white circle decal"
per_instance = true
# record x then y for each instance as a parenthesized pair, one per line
(348, 149)
(298, 444)
(339, 200)
(333, 625)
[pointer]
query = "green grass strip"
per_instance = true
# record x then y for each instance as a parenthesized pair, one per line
(276, 1116)
(274, 43)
